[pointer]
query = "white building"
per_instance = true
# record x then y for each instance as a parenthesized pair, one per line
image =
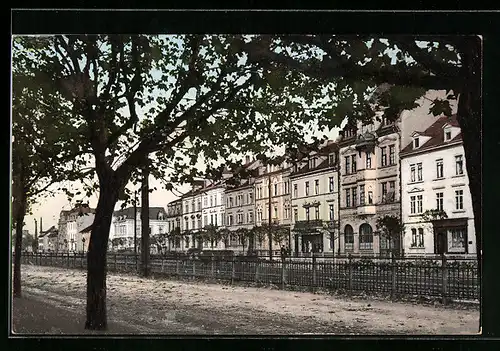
(123, 226)
(191, 218)
(213, 209)
(434, 177)
(315, 202)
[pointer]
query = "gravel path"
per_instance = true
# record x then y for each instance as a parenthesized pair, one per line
(174, 307)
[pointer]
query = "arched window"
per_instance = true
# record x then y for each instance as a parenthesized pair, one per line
(349, 237)
(365, 237)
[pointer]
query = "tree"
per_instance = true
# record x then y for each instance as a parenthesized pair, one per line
(391, 229)
(42, 148)
(242, 234)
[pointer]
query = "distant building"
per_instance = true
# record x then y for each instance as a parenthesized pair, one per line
(69, 225)
(434, 178)
(47, 240)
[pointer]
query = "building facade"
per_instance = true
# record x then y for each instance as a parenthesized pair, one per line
(123, 223)
(370, 177)
(315, 202)
(272, 194)
(212, 210)
(436, 201)
(191, 220)
(69, 225)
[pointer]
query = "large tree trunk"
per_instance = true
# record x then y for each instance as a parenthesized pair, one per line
(469, 118)
(96, 256)
(20, 204)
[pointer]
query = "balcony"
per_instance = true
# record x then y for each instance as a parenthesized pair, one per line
(363, 174)
(309, 224)
(366, 210)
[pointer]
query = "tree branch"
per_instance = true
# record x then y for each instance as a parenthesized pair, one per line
(71, 52)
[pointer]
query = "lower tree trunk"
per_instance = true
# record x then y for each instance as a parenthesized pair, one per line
(19, 220)
(96, 259)
(469, 119)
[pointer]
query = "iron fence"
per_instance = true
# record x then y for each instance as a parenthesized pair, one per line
(446, 278)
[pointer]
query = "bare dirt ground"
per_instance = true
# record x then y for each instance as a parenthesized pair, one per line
(174, 307)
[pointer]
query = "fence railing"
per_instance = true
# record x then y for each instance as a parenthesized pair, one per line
(445, 278)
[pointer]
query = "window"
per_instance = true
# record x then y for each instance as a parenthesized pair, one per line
(285, 187)
(193, 224)
(439, 168)
(419, 172)
(275, 189)
(419, 204)
(312, 163)
(331, 184)
(354, 197)
(361, 195)
(420, 237)
(459, 165)
(192, 206)
(295, 190)
(316, 187)
(447, 135)
(211, 201)
(295, 214)
(439, 201)
(199, 223)
(353, 159)
(384, 191)
(412, 204)
(347, 165)
(331, 159)
(187, 207)
(348, 238)
(392, 185)
(392, 155)
(230, 201)
(250, 195)
(365, 237)
(250, 217)
(275, 213)
(384, 156)
(331, 213)
(316, 213)
(307, 188)
(412, 173)
(413, 237)
(211, 219)
(416, 143)
(368, 160)
(240, 218)
(370, 197)
(287, 212)
(187, 224)
(199, 205)
(307, 214)
(259, 215)
(215, 200)
(205, 220)
(205, 202)
(458, 238)
(459, 199)
(347, 198)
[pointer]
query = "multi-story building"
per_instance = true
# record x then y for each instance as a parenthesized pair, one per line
(47, 240)
(174, 215)
(273, 177)
(191, 218)
(212, 208)
(70, 224)
(123, 223)
(436, 201)
(240, 205)
(315, 201)
(370, 176)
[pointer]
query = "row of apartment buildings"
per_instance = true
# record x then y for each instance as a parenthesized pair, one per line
(331, 198)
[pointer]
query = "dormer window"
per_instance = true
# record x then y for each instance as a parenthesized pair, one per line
(312, 162)
(416, 143)
(331, 159)
(447, 135)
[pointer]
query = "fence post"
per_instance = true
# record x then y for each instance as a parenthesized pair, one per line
(194, 268)
(115, 261)
(81, 260)
(136, 263)
(393, 275)
(283, 273)
(444, 270)
(314, 270)
(212, 264)
(349, 267)
(177, 267)
(125, 262)
(233, 272)
(161, 262)
(257, 264)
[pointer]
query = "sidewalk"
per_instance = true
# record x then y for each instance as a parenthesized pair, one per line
(32, 315)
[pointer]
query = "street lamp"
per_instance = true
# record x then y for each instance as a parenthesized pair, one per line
(83, 244)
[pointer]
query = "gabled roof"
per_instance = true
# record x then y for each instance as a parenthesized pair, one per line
(48, 232)
(435, 132)
(129, 212)
(88, 229)
(324, 151)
